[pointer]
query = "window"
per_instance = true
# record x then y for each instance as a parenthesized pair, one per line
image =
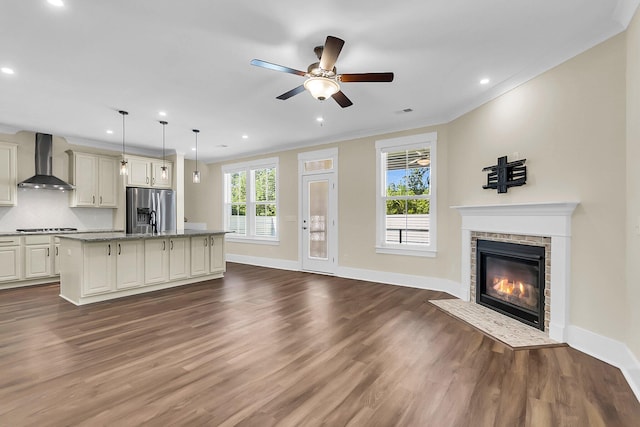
(250, 200)
(406, 202)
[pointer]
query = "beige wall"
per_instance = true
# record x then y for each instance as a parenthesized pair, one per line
(569, 123)
(633, 183)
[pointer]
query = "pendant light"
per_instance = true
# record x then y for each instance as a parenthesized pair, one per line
(196, 172)
(164, 174)
(123, 162)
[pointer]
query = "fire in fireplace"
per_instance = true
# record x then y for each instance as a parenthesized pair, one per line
(511, 280)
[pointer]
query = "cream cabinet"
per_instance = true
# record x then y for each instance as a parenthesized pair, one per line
(56, 256)
(8, 174)
(217, 262)
(10, 259)
(129, 264)
(139, 172)
(156, 174)
(98, 265)
(178, 258)
(156, 261)
(147, 172)
(38, 261)
(95, 179)
(200, 255)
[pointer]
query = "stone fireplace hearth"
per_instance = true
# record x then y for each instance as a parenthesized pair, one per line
(536, 224)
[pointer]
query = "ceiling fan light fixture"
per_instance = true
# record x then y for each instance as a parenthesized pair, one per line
(321, 88)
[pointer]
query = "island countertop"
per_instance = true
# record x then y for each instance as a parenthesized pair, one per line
(101, 237)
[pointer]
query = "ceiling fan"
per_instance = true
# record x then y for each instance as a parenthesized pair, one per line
(323, 81)
(422, 159)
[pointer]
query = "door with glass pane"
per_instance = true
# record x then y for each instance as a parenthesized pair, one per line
(318, 225)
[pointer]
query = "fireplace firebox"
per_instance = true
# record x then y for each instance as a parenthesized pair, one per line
(510, 279)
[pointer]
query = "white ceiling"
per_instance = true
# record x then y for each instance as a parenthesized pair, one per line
(76, 66)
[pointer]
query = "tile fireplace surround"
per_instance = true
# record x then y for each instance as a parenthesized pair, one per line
(546, 220)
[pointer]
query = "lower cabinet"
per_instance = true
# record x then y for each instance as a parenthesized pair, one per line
(37, 257)
(10, 259)
(156, 261)
(217, 263)
(199, 255)
(178, 258)
(99, 270)
(129, 264)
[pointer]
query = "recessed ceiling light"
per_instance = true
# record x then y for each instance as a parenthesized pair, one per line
(245, 136)
(109, 131)
(484, 81)
(193, 149)
(319, 119)
(56, 3)
(222, 146)
(162, 113)
(7, 70)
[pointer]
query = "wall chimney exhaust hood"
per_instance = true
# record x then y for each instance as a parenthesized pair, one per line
(44, 166)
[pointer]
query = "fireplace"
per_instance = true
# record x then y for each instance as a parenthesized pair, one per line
(511, 280)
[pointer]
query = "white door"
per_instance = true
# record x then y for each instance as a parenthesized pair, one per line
(319, 231)
(130, 264)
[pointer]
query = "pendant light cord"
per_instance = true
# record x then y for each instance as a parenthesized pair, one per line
(124, 113)
(163, 123)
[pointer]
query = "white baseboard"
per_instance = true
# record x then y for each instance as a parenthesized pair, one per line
(608, 350)
(603, 348)
(280, 264)
(399, 279)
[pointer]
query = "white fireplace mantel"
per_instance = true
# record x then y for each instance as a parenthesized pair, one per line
(534, 219)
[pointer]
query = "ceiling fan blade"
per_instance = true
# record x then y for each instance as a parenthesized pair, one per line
(342, 99)
(330, 52)
(291, 93)
(366, 77)
(276, 67)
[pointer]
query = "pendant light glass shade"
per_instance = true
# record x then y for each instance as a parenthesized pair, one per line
(196, 172)
(164, 174)
(124, 170)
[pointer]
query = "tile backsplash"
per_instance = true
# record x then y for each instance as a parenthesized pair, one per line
(49, 209)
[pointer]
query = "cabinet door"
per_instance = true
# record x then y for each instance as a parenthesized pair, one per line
(130, 263)
(9, 263)
(56, 259)
(107, 182)
(85, 179)
(199, 255)
(8, 174)
(156, 175)
(217, 262)
(178, 258)
(156, 261)
(139, 172)
(37, 259)
(98, 272)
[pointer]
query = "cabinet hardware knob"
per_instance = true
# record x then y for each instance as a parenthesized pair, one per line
(164, 245)
(93, 199)
(109, 254)
(56, 251)
(100, 199)
(47, 251)
(205, 242)
(147, 180)
(172, 245)
(119, 249)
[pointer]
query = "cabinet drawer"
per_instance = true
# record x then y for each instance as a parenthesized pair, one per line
(9, 240)
(37, 240)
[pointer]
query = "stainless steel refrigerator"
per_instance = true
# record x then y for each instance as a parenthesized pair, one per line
(150, 210)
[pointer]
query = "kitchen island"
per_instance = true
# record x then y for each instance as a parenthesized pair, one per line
(102, 266)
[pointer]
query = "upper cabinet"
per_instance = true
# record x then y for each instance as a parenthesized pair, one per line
(147, 172)
(95, 178)
(8, 174)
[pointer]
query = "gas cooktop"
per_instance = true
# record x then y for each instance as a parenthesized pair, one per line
(45, 230)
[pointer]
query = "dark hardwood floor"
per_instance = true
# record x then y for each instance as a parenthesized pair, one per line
(265, 347)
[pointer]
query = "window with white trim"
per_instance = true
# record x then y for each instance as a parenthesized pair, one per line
(251, 199)
(406, 195)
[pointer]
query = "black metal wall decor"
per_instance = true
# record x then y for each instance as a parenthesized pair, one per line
(506, 174)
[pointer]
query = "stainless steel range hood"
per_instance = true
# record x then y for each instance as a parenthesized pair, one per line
(44, 166)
